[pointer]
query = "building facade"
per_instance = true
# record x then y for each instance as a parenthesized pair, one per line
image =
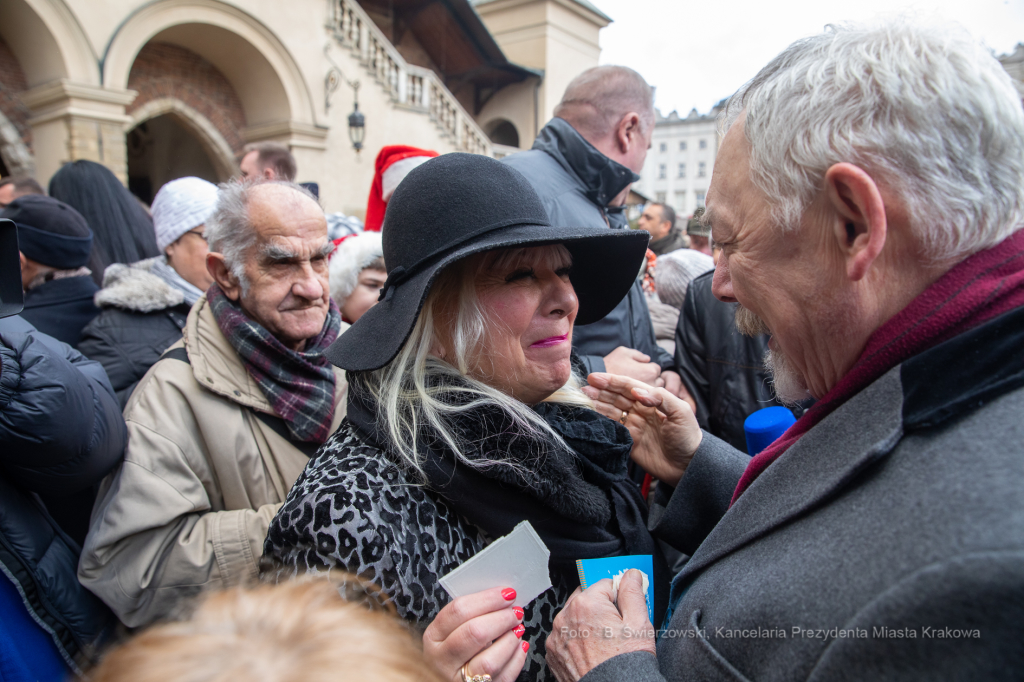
(678, 166)
(157, 89)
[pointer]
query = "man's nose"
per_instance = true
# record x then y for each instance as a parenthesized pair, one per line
(307, 284)
(721, 282)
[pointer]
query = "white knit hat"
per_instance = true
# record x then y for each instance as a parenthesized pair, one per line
(351, 257)
(673, 272)
(182, 205)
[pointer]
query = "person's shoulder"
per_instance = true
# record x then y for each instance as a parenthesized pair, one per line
(168, 387)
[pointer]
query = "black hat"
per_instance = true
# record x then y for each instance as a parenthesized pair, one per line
(50, 232)
(457, 205)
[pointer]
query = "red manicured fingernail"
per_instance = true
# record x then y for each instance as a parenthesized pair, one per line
(526, 647)
(518, 611)
(519, 630)
(508, 593)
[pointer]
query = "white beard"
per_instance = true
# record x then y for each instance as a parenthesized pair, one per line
(787, 383)
(789, 386)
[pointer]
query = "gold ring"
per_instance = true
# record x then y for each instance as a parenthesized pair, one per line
(466, 677)
(622, 419)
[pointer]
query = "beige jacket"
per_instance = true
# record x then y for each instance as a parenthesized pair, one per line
(201, 480)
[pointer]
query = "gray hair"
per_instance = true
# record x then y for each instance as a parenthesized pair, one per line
(927, 110)
(414, 390)
(229, 231)
(597, 99)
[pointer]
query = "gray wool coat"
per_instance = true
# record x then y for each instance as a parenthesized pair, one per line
(886, 544)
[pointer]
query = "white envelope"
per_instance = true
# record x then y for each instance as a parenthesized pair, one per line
(518, 560)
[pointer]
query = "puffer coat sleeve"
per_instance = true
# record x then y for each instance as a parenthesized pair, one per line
(60, 422)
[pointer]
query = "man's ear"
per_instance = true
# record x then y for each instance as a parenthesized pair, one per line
(223, 276)
(627, 132)
(269, 174)
(859, 222)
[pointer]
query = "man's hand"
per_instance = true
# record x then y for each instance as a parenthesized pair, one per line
(632, 363)
(592, 629)
(665, 432)
(673, 383)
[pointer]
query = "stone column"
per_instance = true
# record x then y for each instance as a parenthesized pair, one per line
(71, 121)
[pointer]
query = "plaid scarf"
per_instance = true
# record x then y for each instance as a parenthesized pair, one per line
(976, 290)
(299, 385)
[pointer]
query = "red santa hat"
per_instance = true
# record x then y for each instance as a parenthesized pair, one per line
(393, 164)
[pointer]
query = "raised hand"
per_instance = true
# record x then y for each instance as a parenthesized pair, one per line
(665, 432)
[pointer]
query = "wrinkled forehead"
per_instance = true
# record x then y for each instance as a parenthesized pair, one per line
(279, 211)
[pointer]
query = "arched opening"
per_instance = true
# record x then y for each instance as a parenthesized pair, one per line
(261, 71)
(502, 131)
(186, 120)
(161, 149)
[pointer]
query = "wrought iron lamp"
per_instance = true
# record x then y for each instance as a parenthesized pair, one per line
(356, 120)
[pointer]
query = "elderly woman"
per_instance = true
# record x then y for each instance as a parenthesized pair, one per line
(465, 418)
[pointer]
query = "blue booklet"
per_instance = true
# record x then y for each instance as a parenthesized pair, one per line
(593, 570)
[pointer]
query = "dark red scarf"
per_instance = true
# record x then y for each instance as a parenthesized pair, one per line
(978, 289)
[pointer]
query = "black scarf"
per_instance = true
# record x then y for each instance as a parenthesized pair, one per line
(581, 502)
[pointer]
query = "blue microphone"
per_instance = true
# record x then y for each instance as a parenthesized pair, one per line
(763, 427)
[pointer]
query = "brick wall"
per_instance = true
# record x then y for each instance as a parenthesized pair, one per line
(12, 84)
(163, 70)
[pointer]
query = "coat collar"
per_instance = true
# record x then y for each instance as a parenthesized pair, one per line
(931, 388)
(135, 288)
(603, 179)
(61, 292)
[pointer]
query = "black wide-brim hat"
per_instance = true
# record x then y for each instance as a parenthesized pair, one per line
(457, 205)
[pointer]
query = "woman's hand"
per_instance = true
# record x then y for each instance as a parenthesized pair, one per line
(481, 631)
(665, 432)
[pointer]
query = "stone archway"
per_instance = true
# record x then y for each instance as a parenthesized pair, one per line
(17, 159)
(168, 139)
(502, 131)
(259, 67)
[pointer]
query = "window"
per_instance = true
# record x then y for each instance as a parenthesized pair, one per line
(659, 197)
(680, 203)
(662, 147)
(662, 171)
(702, 169)
(700, 199)
(703, 144)
(682, 170)
(682, 146)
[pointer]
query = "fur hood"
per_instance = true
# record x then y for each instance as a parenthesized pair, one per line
(134, 287)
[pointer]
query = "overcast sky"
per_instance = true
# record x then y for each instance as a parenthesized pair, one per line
(698, 51)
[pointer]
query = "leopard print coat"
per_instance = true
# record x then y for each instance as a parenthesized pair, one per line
(354, 509)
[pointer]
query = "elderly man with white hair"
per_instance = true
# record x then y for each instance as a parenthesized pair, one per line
(222, 425)
(868, 197)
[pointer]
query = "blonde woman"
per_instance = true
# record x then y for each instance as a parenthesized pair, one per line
(465, 417)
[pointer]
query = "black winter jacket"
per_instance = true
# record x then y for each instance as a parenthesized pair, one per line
(722, 369)
(61, 432)
(142, 317)
(576, 181)
(61, 307)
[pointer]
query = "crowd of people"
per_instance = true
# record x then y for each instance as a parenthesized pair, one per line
(243, 438)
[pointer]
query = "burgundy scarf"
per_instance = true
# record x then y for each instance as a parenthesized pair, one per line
(978, 289)
(298, 385)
